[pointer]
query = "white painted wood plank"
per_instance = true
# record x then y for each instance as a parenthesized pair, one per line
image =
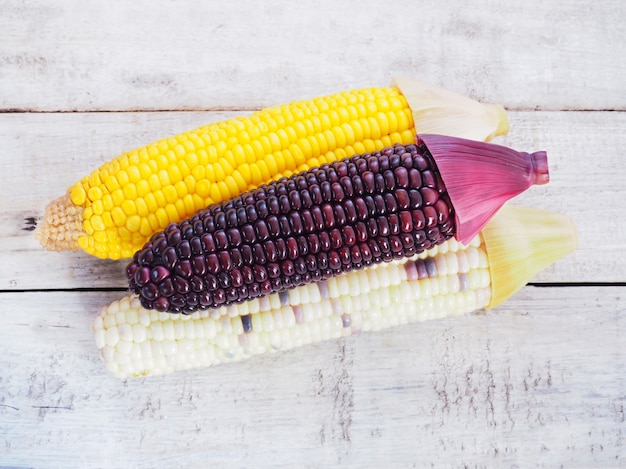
(43, 154)
(161, 55)
(537, 382)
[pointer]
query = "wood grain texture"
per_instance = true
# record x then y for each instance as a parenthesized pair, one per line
(538, 382)
(493, 390)
(69, 56)
(54, 150)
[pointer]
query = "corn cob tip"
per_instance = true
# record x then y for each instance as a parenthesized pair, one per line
(440, 111)
(61, 225)
(540, 174)
(520, 242)
(480, 177)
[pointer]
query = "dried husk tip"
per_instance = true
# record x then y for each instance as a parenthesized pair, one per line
(480, 177)
(520, 243)
(440, 111)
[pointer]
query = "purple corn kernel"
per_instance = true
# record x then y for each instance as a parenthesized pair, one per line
(336, 218)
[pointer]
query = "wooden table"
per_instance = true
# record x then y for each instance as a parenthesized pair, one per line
(539, 381)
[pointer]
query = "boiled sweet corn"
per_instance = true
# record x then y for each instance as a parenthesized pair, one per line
(336, 218)
(112, 212)
(450, 279)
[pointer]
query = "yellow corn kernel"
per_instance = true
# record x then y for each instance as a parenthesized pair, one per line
(221, 159)
(133, 223)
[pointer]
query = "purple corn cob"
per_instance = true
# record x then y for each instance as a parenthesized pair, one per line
(314, 225)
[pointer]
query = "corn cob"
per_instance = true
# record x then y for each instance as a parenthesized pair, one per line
(339, 217)
(450, 279)
(113, 211)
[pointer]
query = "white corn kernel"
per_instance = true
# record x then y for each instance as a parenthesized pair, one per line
(294, 296)
(170, 347)
(132, 317)
(453, 284)
(255, 343)
(434, 286)
(125, 332)
(237, 325)
(425, 288)
(289, 320)
(274, 301)
(275, 339)
(146, 349)
(463, 263)
(210, 330)
(254, 306)
(373, 279)
(138, 333)
(112, 337)
(168, 330)
(440, 262)
(442, 284)
(144, 317)
(308, 313)
(265, 342)
(164, 316)
(221, 341)
(304, 293)
(258, 321)
(107, 353)
(198, 328)
(186, 346)
(483, 261)
(470, 298)
(264, 304)
(113, 308)
(226, 324)
(285, 339)
(135, 352)
(267, 322)
(474, 279)
(278, 318)
(121, 358)
(109, 321)
(98, 323)
(485, 278)
(305, 331)
(179, 329)
(453, 245)
(136, 342)
(232, 311)
(314, 293)
(323, 309)
(452, 264)
(472, 257)
(296, 336)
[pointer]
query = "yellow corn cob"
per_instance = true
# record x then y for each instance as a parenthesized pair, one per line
(448, 280)
(112, 212)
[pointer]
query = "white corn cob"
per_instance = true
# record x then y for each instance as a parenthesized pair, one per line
(449, 280)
